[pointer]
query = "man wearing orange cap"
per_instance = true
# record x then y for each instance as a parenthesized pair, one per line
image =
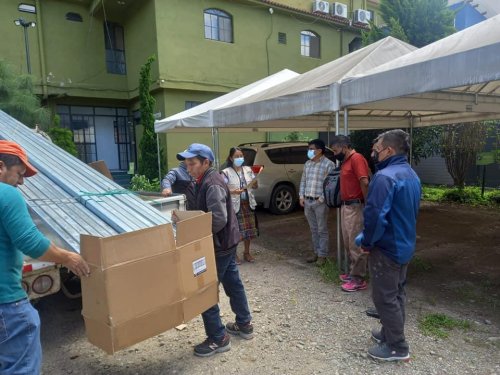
(20, 348)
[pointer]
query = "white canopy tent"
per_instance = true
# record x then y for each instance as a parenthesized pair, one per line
(454, 79)
(200, 116)
(312, 92)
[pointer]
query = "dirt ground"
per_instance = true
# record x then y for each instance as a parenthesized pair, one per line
(305, 325)
(457, 256)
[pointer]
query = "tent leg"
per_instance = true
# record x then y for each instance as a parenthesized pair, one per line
(346, 132)
(411, 141)
(339, 243)
(215, 146)
(158, 155)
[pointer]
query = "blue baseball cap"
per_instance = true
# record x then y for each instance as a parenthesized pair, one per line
(196, 149)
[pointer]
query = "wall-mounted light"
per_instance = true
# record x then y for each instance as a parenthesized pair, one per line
(28, 8)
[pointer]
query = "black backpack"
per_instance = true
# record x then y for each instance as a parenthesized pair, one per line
(331, 189)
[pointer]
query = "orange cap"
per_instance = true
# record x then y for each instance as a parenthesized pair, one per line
(12, 148)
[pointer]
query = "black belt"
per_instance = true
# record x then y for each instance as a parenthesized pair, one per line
(353, 201)
(312, 198)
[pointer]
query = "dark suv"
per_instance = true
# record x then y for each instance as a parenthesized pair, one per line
(280, 179)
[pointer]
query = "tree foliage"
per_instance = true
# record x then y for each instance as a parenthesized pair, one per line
(426, 142)
(18, 99)
(460, 146)
(419, 22)
(148, 159)
(62, 137)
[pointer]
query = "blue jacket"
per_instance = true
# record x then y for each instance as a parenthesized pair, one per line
(391, 210)
(177, 179)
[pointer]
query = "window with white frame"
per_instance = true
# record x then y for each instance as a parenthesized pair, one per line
(309, 44)
(218, 25)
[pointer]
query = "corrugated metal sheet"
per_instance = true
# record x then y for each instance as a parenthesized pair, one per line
(71, 198)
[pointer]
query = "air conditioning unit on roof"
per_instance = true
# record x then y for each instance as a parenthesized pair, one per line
(321, 6)
(361, 16)
(339, 10)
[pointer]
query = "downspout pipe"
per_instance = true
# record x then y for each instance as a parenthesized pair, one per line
(41, 50)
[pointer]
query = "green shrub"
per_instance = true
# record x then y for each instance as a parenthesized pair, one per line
(433, 193)
(467, 195)
(142, 183)
(493, 196)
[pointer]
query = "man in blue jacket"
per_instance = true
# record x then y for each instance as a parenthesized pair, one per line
(389, 235)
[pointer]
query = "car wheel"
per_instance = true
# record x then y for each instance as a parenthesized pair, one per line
(283, 200)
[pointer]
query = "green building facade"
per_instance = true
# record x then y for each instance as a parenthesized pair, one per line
(85, 57)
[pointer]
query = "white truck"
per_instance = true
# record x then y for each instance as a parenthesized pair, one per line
(41, 279)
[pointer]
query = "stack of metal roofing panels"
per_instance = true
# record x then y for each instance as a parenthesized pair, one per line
(72, 198)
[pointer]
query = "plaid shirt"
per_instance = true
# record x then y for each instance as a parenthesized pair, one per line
(315, 172)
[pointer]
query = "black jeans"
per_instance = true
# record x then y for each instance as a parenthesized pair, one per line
(229, 277)
(388, 280)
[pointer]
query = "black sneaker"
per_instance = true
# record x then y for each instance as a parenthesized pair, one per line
(245, 331)
(384, 352)
(377, 336)
(372, 313)
(209, 347)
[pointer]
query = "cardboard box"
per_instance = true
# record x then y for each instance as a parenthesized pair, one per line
(146, 282)
(101, 167)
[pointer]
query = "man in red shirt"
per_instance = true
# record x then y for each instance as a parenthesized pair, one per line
(354, 178)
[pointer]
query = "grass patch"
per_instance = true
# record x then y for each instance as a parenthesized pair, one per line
(420, 265)
(439, 325)
(470, 195)
(433, 193)
(481, 292)
(329, 271)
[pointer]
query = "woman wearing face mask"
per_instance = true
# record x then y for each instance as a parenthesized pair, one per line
(239, 181)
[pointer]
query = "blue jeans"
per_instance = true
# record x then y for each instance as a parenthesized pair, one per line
(20, 347)
(317, 216)
(229, 277)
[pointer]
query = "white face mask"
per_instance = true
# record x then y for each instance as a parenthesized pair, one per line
(239, 161)
(310, 154)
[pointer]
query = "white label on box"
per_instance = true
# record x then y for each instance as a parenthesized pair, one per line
(199, 266)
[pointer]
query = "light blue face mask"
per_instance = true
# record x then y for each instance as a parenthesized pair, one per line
(310, 154)
(239, 161)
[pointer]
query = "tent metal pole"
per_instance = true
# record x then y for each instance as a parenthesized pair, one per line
(339, 244)
(214, 146)
(346, 120)
(217, 150)
(346, 131)
(411, 141)
(158, 155)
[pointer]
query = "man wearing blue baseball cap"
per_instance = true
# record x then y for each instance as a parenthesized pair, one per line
(209, 193)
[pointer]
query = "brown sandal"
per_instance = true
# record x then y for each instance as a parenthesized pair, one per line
(237, 260)
(248, 258)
